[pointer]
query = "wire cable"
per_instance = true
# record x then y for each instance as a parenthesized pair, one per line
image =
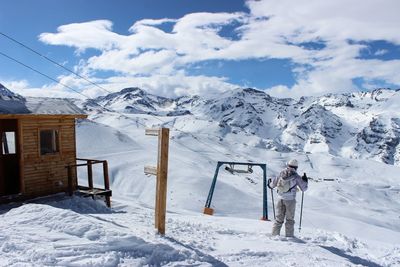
(41, 73)
(52, 61)
(98, 86)
(104, 108)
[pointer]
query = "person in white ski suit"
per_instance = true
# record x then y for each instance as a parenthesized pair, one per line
(286, 203)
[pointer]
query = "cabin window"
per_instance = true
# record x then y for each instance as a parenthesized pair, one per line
(8, 143)
(49, 142)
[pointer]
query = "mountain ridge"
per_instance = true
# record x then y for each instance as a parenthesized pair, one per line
(361, 125)
(339, 124)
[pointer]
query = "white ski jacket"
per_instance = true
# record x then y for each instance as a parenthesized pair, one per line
(295, 181)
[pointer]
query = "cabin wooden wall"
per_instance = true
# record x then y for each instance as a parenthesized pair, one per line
(46, 174)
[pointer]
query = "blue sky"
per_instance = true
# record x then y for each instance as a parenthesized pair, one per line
(199, 47)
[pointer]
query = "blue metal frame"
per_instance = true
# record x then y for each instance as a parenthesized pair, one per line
(263, 166)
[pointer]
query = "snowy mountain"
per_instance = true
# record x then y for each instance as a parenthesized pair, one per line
(136, 101)
(360, 125)
(6, 94)
(351, 210)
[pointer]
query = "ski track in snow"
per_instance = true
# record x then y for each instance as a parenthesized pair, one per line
(77, 231)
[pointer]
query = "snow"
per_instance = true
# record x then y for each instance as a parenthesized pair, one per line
(40, 105)
(11, 103)
(62, 231)
(350, 217)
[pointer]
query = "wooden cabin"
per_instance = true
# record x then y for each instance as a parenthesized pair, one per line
(38, 141)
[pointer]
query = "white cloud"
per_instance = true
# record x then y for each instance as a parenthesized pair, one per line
(279, 29)
(166, 85)
(94, 34)
(339, 25)
(151, 22)
(15, 85)
(23, 88)
(380, 52)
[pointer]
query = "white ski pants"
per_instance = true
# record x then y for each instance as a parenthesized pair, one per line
(284, 208)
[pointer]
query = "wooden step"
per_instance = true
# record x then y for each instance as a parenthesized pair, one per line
(94, 191)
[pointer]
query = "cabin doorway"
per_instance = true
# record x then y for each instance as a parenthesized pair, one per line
(9, 158)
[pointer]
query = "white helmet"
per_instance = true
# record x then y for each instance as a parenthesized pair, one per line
(293, 163)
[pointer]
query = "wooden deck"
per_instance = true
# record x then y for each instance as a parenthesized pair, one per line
(89, 190)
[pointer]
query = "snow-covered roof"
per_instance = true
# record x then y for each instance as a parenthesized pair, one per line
(39, 106)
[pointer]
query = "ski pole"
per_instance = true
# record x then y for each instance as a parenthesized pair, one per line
(272, 196)
(273, 202)
(301, 210)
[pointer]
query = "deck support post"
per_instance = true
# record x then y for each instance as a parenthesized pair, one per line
(106, 183)
(70, 181)
(89, 190)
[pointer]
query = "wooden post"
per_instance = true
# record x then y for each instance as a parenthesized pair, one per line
(157, 203)
(162, 174)
(90, 174)
(106, 182)
(70, 185)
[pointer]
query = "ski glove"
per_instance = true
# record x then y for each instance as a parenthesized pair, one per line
(305, 179)
(269, 182)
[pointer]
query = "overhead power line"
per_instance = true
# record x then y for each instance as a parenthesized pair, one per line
(104, 108)
(41, 73)
(82, 77)
(52, 61)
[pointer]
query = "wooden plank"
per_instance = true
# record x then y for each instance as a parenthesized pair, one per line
(162, 176)
(106, 182)
(29, 149)
(90, 174)
(70, 181)
(39, 123)
(151, 170)
(94, 161)
(96, 192)
(157, 204)
(20, 148)
(30, 138)
(152, 132)
(31, 127)
(74, 152)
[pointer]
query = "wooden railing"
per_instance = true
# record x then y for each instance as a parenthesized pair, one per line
(90, 189)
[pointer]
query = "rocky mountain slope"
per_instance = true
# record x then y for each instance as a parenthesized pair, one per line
(361, 125)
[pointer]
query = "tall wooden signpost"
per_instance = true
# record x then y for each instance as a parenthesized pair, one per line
(161, 171)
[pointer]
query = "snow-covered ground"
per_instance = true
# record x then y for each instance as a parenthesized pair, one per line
(61, 231)
(353, 220)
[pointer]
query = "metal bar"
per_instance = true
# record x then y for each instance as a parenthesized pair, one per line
(273, 202)
(265, 192)
(301, 210)
(242, 163)
(211, 192)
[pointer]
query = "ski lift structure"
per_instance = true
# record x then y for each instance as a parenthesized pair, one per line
(232, 168)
